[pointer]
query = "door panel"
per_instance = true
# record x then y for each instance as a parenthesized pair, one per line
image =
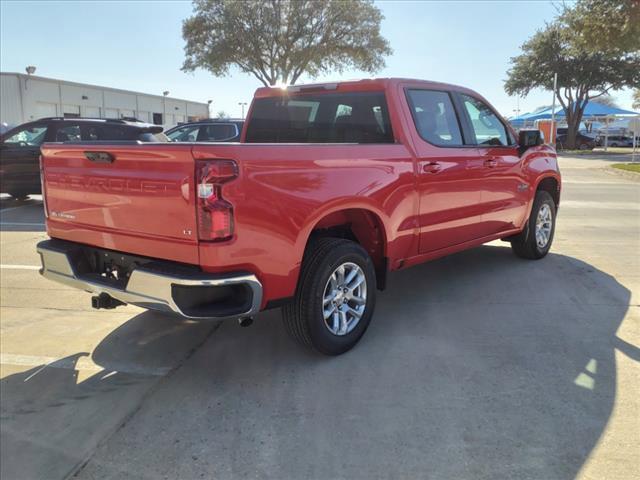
(449, 191)
(505, 190)
(19, 160)
(450, 211)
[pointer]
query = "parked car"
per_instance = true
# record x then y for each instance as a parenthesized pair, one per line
(207, 131)
(332, 187)
(583, 142)
(615, 141)
(20, 146)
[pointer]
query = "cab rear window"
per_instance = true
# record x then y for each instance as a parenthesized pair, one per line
(360, 117)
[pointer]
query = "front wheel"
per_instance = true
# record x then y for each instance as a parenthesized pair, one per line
(535, 241)
(19, 195)
(335, 298)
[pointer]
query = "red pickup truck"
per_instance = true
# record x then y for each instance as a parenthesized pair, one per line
(331, 187)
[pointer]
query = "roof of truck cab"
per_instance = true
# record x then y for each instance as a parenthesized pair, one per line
(368, 84)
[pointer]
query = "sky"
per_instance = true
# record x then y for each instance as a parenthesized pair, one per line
(138, 45)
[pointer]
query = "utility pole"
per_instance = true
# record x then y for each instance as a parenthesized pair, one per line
(553, 111)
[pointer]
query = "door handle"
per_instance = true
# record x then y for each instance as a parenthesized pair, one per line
(491, 163)
(431, 167)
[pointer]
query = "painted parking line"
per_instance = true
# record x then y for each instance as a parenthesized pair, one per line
(21, 224)
(601, 205)
(83, 363)
(19, 267)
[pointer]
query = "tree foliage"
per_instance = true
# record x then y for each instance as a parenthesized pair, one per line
(279, 40)
(584, 72)
(605, 25)
(636, 99)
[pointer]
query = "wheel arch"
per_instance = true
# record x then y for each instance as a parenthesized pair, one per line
(359, 223)
(550, 184)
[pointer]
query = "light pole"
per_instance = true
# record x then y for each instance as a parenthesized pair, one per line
(30, 71)
(209, 102)
(242, 104)
(554, 129)
(164, 107)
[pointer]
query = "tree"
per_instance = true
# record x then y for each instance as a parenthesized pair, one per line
(222, 115)
(583, 73)
(605, 25)
(636, 99)
(279, 40)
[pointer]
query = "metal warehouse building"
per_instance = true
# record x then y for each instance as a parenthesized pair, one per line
(24, 98)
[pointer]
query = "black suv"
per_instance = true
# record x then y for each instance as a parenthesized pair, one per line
(207, 131)
(20, 146)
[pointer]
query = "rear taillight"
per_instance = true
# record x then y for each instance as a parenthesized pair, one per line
(215, 214)
(42, 187)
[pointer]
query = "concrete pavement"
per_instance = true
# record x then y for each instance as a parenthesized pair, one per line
(480, 365)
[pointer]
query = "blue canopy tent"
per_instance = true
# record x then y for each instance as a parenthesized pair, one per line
(592, 110)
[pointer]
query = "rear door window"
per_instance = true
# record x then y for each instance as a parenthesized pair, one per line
(435, 117)
(68, 133)
(221, 132)
(113, 132)
(321, 118)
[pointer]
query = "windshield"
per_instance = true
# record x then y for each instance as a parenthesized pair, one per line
(32, 136)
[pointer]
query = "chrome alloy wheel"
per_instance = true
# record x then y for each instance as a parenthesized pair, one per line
(344, 299)
(544, 222)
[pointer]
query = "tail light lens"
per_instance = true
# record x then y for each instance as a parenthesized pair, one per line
(215, 214)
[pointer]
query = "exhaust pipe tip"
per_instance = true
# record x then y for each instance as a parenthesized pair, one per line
(104, 300)
(245, 321)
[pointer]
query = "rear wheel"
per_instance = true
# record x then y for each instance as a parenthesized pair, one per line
(535, 241)
(335, 298)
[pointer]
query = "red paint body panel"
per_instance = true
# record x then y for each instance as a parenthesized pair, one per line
(144, 202)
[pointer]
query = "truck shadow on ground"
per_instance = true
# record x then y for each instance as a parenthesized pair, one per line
(475, 366)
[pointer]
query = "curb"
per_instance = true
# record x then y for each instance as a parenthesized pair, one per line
(622, 173)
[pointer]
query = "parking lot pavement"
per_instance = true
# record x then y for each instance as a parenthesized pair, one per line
(480, 365)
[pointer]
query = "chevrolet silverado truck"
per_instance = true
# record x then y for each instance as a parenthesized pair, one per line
(331, 187)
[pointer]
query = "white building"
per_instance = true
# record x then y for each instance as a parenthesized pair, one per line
(24, 98)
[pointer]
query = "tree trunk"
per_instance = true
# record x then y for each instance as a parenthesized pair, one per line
(572, 132)
(574, 117)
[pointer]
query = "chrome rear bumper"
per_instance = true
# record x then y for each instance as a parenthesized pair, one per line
(193, 295)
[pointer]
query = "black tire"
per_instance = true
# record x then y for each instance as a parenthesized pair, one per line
(304, 319)
(525, 245)
(19, 195)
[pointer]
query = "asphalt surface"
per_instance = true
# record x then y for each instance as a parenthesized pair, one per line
(477, 366)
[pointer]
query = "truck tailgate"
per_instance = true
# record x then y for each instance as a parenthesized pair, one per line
(133, 198)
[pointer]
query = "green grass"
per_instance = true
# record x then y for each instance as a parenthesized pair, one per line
(598, 151)
(629, 167)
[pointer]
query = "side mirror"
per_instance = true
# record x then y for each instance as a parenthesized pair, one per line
(528, 139)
